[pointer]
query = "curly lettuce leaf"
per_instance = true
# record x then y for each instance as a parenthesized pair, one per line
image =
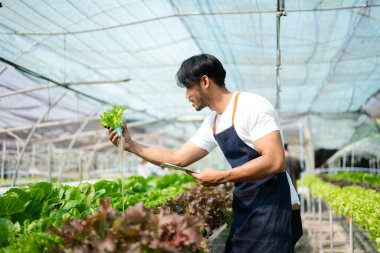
(112, 118)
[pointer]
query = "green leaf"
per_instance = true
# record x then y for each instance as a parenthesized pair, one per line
(70, 204)
(10, 205)
(7, 230)
(113, 117)
(33, 243)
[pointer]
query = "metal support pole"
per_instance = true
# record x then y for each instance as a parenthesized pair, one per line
(331, 231)
(351, 236)
(3, 159)
(309, 202)
(320, 223)
(80, 168)
(33, 165)
(16, 159)
(73, 140)
(30, 136)
(302, 147)
(49, 161)
(280, 12)
(345, 160)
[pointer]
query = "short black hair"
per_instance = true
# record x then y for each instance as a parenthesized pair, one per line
(195, 67)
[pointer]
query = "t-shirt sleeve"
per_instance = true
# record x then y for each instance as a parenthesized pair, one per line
(263, 120)
(204, 137)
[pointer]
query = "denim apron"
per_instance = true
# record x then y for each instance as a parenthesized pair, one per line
(261, 209)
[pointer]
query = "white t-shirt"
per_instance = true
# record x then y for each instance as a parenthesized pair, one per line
(255, 117)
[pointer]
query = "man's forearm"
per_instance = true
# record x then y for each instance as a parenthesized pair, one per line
(255, 169)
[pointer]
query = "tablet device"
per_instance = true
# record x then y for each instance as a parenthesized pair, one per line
(175, 167)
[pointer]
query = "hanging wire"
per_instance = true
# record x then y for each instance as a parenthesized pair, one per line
(280, 12)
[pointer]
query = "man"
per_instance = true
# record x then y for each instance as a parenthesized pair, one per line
(245, 127)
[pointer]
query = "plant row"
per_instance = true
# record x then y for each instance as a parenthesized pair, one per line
(355, 201)
(138, 230)
(366, 180)
(180, 225)
(173, 222)
(30, 210)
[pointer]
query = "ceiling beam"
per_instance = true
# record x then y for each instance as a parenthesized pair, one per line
(49, 86)
(49, 124)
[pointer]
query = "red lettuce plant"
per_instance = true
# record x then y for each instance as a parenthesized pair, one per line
(137, 230)
(213, 204)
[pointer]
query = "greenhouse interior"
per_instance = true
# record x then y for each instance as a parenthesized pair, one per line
(69, 68)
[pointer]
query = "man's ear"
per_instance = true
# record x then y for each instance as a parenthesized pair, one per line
(205, 82)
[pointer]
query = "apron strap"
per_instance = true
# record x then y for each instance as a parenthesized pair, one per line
(233, 114)
(235, 105)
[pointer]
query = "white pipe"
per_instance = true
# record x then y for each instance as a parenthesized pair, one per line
(3, 159)
(351, 235)
(331, 231)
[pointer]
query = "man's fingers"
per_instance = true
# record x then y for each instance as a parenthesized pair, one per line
(190, 173)
(114, 138)
(111, 134)
(194, 176)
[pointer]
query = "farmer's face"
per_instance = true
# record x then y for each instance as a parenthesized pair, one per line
(196, 96)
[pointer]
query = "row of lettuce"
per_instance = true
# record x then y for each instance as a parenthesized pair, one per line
(371, 180)
(354, 201)
(176, 216)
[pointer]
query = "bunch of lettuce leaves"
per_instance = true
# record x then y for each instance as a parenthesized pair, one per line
(113, 118)
(138, 230)
(213, 204)
(27, 211)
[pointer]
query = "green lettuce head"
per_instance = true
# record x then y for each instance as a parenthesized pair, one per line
(113, 118)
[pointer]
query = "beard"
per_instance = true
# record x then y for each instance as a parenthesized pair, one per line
(202, 102)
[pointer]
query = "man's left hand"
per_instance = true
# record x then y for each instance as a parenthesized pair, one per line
(210, 177)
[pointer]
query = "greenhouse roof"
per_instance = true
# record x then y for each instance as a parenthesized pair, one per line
(130, 51)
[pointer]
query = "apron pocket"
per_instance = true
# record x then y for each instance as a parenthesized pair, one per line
(245, 198)
(259, 226)
(256, 234)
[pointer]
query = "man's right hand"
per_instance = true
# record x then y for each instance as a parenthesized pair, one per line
(114, 138)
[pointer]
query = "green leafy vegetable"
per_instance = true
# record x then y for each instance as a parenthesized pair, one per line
(41, 205)
(214, 205)
(138, 230)
(362, 204)
(345, 178)
(10, 205)
(7, 230)
(113, 118)
(32, 243)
